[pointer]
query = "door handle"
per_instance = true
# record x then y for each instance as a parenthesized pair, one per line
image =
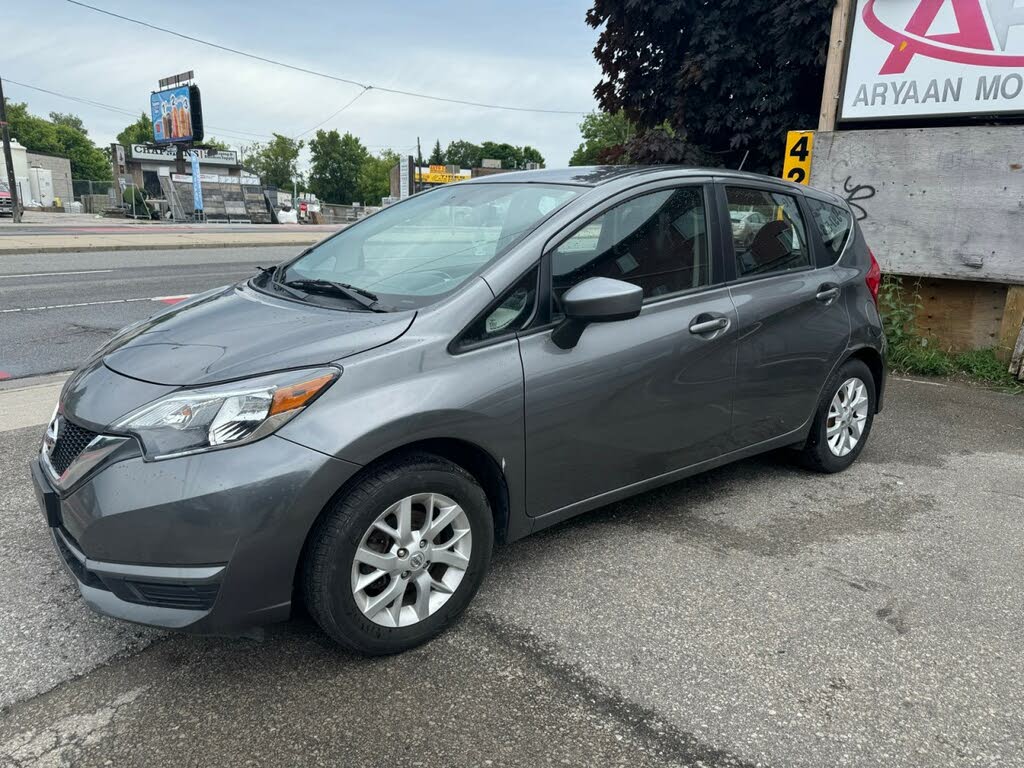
(827, 293)
(699, 326)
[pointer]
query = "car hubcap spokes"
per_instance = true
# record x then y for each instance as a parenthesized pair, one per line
(847, 416)
(411, 560)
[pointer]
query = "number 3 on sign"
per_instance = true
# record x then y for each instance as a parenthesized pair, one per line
(799, 145)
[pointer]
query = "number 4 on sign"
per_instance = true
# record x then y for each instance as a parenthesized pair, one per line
(799, 146)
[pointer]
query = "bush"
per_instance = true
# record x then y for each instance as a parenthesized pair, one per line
(913, 353)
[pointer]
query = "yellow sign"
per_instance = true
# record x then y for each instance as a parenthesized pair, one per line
(438, 169)
(439, 178)
(797, 166)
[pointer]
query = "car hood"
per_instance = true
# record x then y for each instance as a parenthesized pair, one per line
(234, 332)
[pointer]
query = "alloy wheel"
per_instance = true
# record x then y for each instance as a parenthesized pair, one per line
(411, 560)
(847, 416)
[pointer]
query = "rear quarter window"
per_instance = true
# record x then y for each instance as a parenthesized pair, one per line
(834, 224)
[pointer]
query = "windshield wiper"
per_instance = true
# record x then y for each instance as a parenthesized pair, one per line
(360, 296)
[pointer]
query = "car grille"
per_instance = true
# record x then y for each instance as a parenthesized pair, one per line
(69, 446)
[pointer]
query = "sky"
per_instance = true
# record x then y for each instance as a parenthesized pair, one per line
(531, 53)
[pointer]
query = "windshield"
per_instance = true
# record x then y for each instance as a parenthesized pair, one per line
(413, 252)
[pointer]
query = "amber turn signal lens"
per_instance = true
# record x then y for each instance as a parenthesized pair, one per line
(297, 395)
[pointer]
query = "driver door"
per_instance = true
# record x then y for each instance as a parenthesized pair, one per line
(638, 398)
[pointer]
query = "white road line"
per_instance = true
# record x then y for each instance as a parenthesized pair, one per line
(49, 274)
(71, 306)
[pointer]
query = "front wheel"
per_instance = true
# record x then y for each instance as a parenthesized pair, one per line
(400, 556)
(843, 420)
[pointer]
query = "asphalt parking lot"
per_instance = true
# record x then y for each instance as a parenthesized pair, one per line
(756, 615)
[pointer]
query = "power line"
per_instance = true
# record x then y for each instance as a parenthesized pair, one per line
(347, 104)
(295, 68)
(229, 132)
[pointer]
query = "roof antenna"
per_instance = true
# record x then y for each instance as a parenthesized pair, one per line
(744, 162)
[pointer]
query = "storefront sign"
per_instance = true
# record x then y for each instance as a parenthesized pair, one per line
(439, 178)
(170, 155)
(913, 59)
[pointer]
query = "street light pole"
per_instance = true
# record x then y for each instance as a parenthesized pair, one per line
(8, 160)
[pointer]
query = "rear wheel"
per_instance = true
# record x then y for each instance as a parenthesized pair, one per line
(400, 556)
(843, 420)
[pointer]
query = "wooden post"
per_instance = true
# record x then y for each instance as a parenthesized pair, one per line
(834, 66)
(1011, 329)
(12, 182)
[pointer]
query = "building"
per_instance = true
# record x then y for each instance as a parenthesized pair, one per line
(145, 164)
(42, 179)
(922, 131)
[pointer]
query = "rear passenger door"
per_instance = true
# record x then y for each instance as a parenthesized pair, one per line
(793, 325)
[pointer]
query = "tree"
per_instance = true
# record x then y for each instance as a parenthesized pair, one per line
(437, 155)
(88, 161)
(604, 138)
(375, 177)
(510, 156)
(726, 77)
(464, 154)
(70, 120)
(336, 167)
(215, 143)
(139, 132)
(276, 162)
(531, 155)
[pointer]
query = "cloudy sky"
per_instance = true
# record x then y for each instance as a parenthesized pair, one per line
(532, 53)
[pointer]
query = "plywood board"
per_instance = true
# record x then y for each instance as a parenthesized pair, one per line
(933, 202)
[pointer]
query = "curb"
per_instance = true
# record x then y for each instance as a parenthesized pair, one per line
(151, 247)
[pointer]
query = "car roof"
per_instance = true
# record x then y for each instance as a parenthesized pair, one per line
(600, 175)
(596, 175)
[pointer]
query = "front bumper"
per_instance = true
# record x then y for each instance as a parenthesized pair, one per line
(206, 543)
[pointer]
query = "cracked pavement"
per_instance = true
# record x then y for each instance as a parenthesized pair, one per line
(755, 615)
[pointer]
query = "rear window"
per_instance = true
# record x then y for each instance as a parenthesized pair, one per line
(834, 224)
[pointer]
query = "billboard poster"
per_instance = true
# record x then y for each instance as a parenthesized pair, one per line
(171, 111)
(197, 185)
(913, 59)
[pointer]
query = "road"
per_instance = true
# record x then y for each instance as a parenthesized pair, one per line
(56, 308)
(757, 615)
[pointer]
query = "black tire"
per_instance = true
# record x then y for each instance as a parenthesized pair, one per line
(330, 551)
(816, 454)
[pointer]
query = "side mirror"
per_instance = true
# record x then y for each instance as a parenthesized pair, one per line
(596, 300)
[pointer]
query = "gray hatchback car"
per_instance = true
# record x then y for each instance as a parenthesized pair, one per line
(356, 428)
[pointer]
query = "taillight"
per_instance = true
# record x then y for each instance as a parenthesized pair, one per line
(874, 277)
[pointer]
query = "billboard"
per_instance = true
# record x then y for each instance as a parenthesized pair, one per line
(914, 59)
(177, 115)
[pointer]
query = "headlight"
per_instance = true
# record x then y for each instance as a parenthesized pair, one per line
(225, 415)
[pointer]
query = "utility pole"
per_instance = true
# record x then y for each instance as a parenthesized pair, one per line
(419, 164)
(8, 160)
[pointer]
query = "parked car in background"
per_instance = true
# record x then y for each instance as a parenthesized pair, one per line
(357, 427)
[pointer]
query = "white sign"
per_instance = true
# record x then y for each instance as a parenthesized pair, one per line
(169, 155)
(207, 178)
(403, 177)
(928, 58)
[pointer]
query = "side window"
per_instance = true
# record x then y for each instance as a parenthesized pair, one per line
(768, 233)
(658, 241)
(834, 224)
(511, 314)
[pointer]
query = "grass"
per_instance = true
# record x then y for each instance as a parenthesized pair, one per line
(912, 353)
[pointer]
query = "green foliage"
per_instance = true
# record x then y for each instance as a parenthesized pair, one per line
(604, 138)
(63, 139)
(139, 132)
(375, 177)
(728, 77)
(276, 162)
(437, 155)
(214, 143)
(70, 120)
(911, 352)
(464, 154)
(337, 162)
